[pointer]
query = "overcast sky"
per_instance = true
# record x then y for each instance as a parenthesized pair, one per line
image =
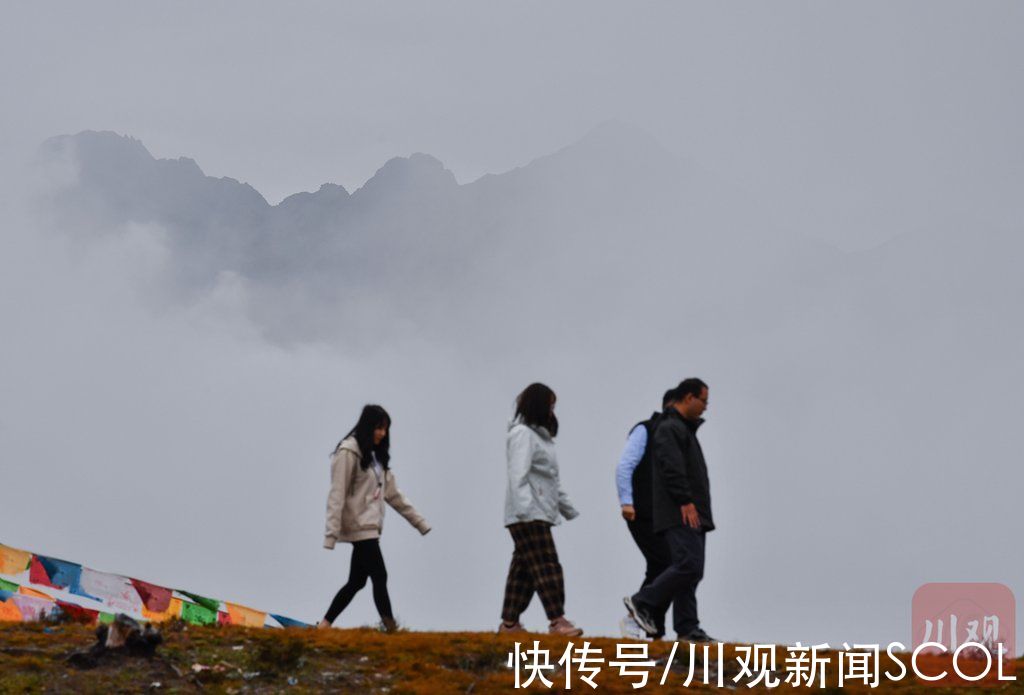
(857, 124)
(859, 117)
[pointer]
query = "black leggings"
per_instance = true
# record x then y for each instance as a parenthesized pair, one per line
(367, 562)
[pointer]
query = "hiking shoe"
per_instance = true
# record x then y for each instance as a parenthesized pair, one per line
(631, 630)
(698, 635)
(514, 627)
(642, 617)
(388, 625)
(561, 626)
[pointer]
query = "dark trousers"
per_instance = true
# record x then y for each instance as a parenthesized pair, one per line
(535, 568)
(656, 554)
(678, 583)
(367, 563)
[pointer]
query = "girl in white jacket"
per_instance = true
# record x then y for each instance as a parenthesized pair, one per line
(534, 501)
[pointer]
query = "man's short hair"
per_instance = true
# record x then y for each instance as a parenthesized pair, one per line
(692, 386)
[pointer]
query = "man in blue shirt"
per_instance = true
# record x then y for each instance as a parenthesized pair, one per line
(633, 479)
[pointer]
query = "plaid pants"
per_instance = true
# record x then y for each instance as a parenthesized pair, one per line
(534, 567)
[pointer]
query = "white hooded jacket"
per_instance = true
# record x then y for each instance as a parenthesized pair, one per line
(534, 491)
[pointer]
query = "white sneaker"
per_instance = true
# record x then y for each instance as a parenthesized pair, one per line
(631, 630)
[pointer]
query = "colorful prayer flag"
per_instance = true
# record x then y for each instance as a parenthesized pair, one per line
(212, 604)
(33, 607)
(13, 561)
(288, 622)
(242, 615)
(22, 599)
(112, 590)
(197, 614)
(28, 591)
(55, 573)
(156, 599)
(173, 611)
(9, 611)
(78, 614)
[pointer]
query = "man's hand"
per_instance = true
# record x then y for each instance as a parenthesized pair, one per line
(628, 513)
(690, 516)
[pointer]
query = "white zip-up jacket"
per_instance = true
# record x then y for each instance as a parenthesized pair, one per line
(355, 505)
(534, 491)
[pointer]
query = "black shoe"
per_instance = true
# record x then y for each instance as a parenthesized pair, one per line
(642, 617)
(697, 635)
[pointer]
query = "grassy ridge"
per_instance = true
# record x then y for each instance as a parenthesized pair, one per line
(230, 659)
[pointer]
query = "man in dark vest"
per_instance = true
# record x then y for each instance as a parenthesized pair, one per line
(682, 515)
(635, 486)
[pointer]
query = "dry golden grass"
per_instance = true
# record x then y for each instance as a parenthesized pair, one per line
(234, 659)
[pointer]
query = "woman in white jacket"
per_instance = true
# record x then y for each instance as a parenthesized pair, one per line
(361, 482)
(534, 501)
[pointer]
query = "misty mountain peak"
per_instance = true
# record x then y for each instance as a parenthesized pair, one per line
(417, 172)
(611, 155)
(124, 171)
(98, 147)
(619, 145)
(190, 165)
(327, 194)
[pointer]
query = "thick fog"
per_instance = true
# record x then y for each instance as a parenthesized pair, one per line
(816, 209)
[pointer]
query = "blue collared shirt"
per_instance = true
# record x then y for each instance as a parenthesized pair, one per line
(631, 455)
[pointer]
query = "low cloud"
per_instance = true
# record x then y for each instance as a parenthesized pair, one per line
(182, 356)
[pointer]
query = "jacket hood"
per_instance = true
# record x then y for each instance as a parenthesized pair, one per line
(350, 444)
(541, 431)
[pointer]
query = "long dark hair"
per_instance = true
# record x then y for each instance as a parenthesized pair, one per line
(536, 406)
(372, 417)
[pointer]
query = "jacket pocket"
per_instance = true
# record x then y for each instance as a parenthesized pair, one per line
(545, 499)
(369, 515)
